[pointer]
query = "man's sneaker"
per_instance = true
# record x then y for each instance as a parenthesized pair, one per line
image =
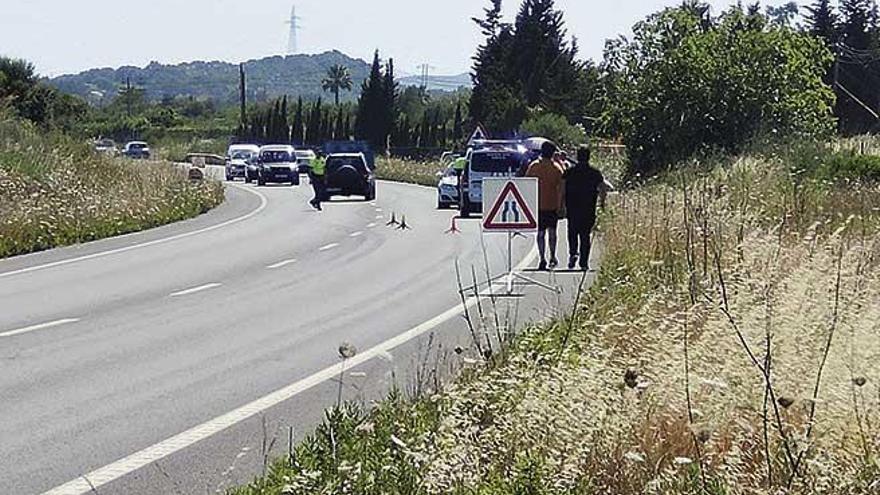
(572, 261)
(542, 266)
(554, 263)
(316, 205)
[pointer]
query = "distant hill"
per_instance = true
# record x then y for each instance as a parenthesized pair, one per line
(295, 75)
(440, 83)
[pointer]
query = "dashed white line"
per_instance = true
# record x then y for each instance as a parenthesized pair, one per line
(371, 225)
(356, 234)
(88, 483)
(41, 326)
(195, 289)
(379, 217)
(281, 264)
(329, 246)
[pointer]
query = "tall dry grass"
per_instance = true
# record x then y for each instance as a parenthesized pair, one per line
(56, 192)
(729, 346)
(724, 301)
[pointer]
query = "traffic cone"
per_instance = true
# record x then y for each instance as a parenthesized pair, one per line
(393, 220)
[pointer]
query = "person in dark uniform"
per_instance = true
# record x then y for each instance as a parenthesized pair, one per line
(584, 188)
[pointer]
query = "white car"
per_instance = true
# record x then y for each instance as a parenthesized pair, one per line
(137, 150)
(277, 164)
(240, 162)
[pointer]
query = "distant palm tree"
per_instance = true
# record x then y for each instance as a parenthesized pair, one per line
(338, 78)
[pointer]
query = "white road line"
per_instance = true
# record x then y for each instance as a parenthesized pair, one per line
(100, 477)
(263, 202)
(41, 326)
(371, 225)
(280, 264)
(195, 289)
(329, 246)
(356, 234)
(379, 217)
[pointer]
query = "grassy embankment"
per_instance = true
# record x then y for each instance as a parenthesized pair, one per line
(730, 345)
(56, 192)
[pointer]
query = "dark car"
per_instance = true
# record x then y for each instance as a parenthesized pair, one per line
(277, 165)
(348, 174)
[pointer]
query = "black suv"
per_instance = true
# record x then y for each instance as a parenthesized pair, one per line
(347, 174)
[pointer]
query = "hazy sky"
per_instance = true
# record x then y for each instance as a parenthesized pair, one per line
(63, 36)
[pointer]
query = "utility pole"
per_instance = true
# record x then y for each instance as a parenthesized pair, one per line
(242, 86)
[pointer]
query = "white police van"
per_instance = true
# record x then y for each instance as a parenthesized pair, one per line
(489, 159)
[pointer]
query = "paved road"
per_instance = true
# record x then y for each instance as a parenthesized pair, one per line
(177, 344)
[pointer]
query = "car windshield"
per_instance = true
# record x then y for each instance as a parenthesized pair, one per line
(341, 161)
(275, 157)
(450, 172)
(304, 154)
(494, 162)
(137, 146)
(242, 155)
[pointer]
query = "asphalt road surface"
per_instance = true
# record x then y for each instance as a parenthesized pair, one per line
(176, 360)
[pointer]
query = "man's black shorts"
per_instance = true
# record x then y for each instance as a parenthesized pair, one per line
(547, 220)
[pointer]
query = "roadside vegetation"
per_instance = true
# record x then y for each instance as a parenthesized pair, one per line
(56, 191)
(729, 344)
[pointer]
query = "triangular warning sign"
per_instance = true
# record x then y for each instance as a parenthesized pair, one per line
(479, 134)
(510, 212)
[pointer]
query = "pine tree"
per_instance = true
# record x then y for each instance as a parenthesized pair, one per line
(822, 21)
(858, 37)
(373, 123)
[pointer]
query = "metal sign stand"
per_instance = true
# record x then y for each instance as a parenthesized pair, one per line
(512, 277)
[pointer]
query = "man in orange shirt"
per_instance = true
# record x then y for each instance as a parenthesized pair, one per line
(550, 186)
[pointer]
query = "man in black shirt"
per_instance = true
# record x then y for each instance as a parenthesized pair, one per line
(584, 186)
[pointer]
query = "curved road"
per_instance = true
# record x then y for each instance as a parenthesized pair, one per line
(118, 347)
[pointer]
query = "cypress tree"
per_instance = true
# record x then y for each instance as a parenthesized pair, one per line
(858, 35)
(372, 110)
(298, 123)
(457, 126)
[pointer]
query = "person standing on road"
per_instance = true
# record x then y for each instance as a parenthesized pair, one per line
(584, 188)
(549, 175)
(316, 177)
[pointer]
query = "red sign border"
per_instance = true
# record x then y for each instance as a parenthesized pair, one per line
(508, 188)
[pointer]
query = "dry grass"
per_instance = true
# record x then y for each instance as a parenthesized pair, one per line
(730, 346)
(412, 172)
(56, 192)
(613, 415)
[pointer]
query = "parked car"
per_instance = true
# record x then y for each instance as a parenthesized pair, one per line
(239, 157)
(304, 160)
(349, 174)
(106, 146)
(447, 189)
(277, 165)
(137, 150)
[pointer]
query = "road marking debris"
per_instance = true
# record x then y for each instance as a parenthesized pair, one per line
(41, 326)
(195, 289)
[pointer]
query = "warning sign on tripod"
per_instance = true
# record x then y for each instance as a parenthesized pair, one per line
(510, 205)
